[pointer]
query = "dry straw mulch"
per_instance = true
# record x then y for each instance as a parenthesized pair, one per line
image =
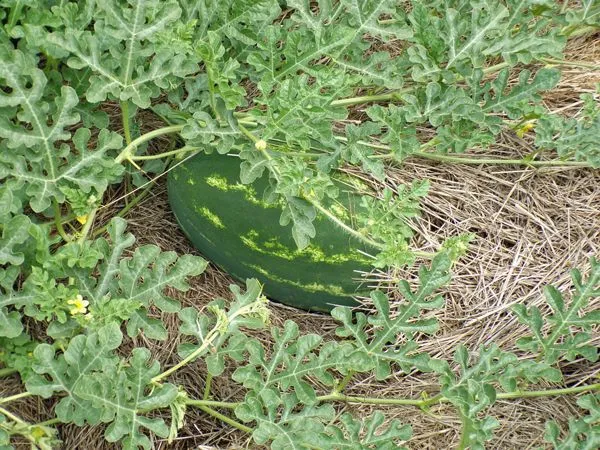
(531, 227)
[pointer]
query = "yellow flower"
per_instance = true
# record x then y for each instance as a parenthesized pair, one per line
(261, 145)
(38, 432)
(82, 219)
(79, 305)
(525, 128)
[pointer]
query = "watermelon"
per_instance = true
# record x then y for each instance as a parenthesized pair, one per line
(231, 225)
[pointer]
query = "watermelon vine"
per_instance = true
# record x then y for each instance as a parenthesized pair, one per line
(274, 84)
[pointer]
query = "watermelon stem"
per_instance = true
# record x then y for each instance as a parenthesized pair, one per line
(88, 226)
(207, 385)
(440, 398)
(212, 335)
(344, 382)
(15, 397)
(185, 149)
(345, 227)
(421, 153)
(128, 151)
(58, 222)
(226, 419)
(212, 403)
(7, 371)
(125, 117)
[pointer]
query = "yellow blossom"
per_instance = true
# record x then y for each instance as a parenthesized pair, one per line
(525, 128)
(38, 432)
(79, 305)
(82, 219)
(261, 145)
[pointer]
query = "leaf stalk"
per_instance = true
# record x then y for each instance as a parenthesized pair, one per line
(226, 419)
(125, 117)
(58, 222)
(128, 151)
(12, 398)
(7, 371)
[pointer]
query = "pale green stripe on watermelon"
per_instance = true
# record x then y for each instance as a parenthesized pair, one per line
(312, 287)
(214, 219)
(274, 247)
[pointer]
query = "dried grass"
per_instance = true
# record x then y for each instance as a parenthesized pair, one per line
(531, 227)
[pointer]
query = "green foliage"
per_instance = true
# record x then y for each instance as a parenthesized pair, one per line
(84, 356)
(217, 334)
(124, 52)
(32, 156)
(583, 433)
(99, 388)
(293, 358)
(120, 399)
(570, 325)
(387, 221)
(473, 391)
(17, 353)
(270, 81)
(387, 337)
(573, 137)
(348, 435)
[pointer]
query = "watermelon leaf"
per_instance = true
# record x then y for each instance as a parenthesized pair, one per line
(392, 339)
(569, 331)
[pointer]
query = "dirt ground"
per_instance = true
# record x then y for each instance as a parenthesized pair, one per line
(531, 227)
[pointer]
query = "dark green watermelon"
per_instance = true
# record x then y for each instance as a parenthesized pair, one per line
(233, 227)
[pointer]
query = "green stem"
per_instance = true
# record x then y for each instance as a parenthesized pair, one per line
(207, 385)
(494, 161)
(88, 226)
(127, 207)
(453, 159)
(575, 31)
(210, 337)
(125, 118)
(58, 222)
(394, 95)
(47, 423)
(227, 420)
(336, 396)
(7, 371)
(432, 401)
(212, 403)
(15, 397)
(420, 403)
(464, 434)
(467, 160)
(561, 62)
(128, 152)
(12, 417)
(15, 14)
(345, 227)
(178, 151)
(250, 136)
(344, 382)
(439, 398)
(549, 392)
